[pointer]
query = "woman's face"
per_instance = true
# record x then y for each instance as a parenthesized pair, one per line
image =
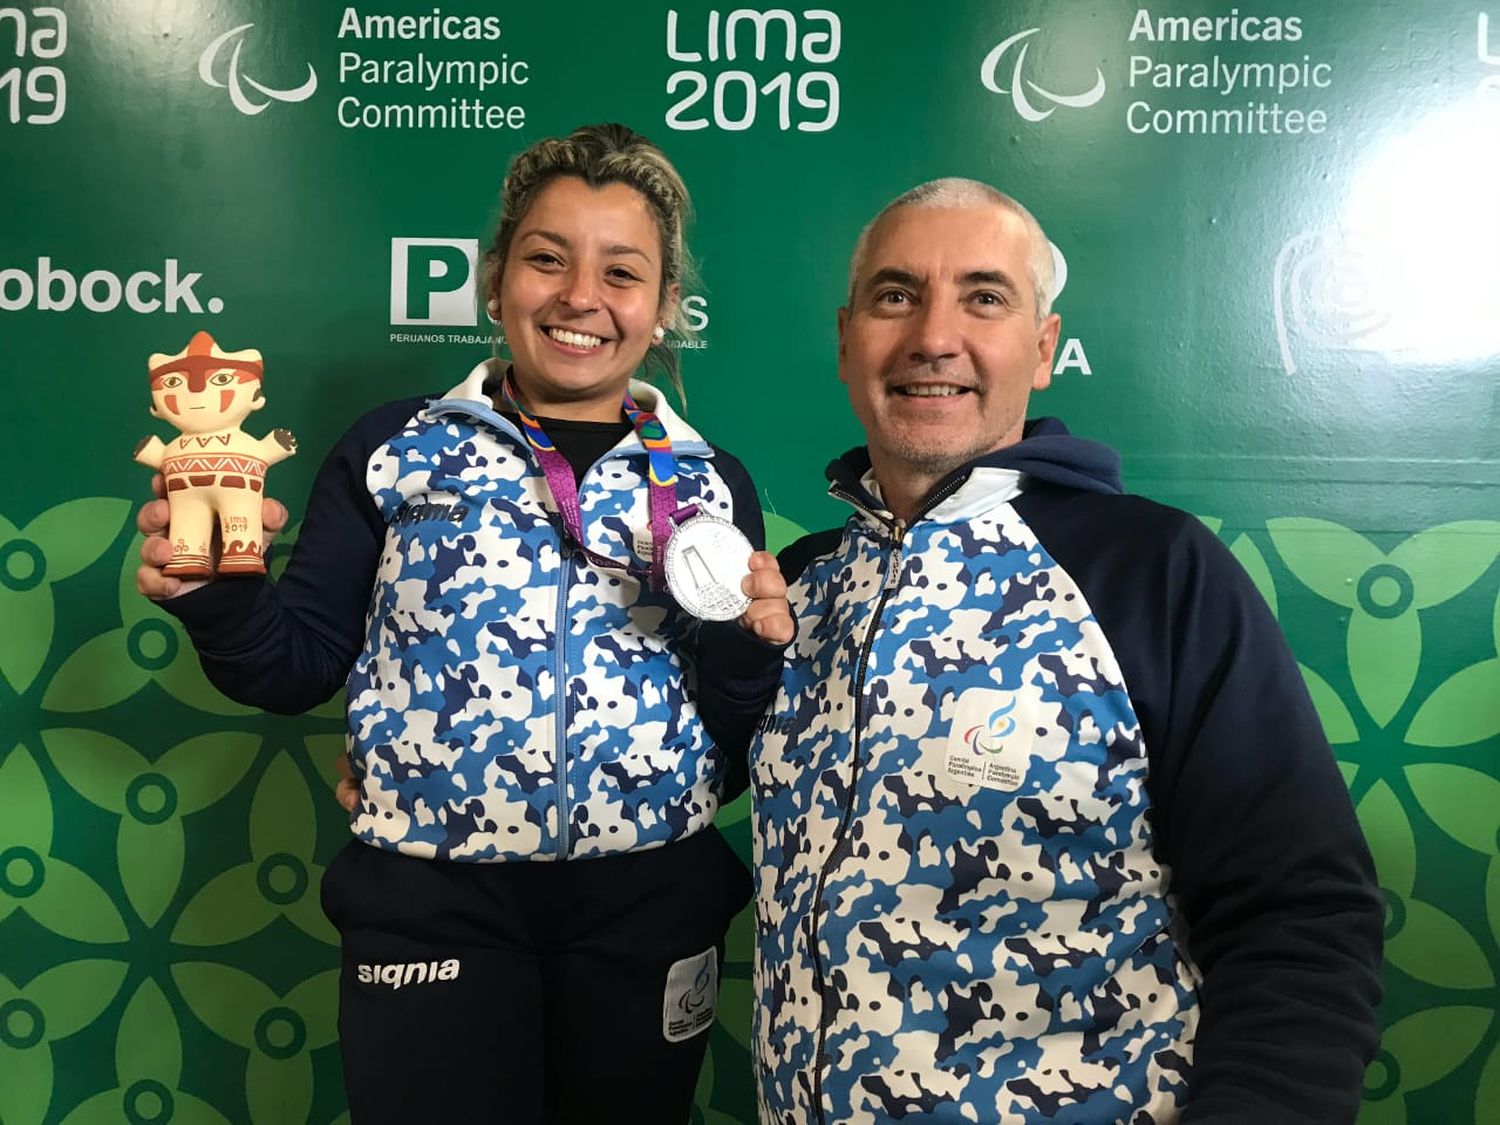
(580, 297)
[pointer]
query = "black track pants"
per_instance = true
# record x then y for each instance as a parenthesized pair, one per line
(525, 993)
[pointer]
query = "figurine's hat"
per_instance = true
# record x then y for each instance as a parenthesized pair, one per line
(203, 357)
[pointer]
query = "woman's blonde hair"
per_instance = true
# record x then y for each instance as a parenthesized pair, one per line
(599, 155)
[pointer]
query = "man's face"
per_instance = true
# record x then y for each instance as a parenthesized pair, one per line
(940, 346)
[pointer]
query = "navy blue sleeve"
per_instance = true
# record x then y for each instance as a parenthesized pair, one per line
(1268, 868)
(288, 645)
(795, 556)
(738, 673)
(747, 514)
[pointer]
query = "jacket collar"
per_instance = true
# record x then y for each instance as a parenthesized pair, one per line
(470, 399)
(1046, 452)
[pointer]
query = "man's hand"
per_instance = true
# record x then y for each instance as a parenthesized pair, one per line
(769, 616)
(347, 790)
(153, 520)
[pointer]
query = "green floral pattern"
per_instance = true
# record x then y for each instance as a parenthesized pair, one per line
(55, 545)
(148, 1064)
(1439, 951)
(277, 1033)
(161, 847)
(281, 877)
(57, 895)
(53, 1006)
(150, 799)
(1385, 594)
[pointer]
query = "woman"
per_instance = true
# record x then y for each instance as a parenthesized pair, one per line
(484, 569)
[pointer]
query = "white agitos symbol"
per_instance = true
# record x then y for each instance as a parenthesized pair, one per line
(1018, 83)
(1059, 270)
(237, 82)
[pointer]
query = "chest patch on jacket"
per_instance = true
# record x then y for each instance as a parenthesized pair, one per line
(991, 739)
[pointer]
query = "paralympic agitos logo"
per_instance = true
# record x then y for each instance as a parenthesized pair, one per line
(1025, 94)
(237, 82)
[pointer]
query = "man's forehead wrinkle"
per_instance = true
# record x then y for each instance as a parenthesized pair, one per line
(917, 277)
(902, 274)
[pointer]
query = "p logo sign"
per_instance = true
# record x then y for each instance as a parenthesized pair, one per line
(432, 280)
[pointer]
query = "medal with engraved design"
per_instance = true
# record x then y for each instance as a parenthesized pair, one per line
(707, 558)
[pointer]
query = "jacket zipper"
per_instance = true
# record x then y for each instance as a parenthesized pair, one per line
(560, 688)
(559, 674)
(892, 580)
(479, 412)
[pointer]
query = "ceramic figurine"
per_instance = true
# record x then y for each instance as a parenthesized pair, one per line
(213, 470)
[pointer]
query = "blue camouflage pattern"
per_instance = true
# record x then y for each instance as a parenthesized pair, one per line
(932, 950)
(513, 701)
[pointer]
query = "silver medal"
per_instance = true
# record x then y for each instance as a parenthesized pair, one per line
(706, 559)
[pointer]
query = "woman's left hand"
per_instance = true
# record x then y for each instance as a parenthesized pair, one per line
(769, 616)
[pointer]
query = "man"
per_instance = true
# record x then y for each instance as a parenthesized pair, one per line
(1046, 827)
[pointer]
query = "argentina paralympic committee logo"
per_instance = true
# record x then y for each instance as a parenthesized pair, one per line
(989, 737)
(990, 741)
(1013, 52)
(236, 81)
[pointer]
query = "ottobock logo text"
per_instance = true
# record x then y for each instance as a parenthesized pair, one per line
(414, 972)
(51, 288)
(236, 81)
(1012, 53)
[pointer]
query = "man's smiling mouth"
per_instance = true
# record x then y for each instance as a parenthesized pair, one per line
(931, 390)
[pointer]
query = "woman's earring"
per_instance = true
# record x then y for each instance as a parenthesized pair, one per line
(492, 306)
(659, 333)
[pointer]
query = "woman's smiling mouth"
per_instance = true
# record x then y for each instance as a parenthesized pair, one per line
(585, 340)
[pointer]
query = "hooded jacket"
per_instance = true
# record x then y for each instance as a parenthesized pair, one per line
(1045, 824)
(506, 698)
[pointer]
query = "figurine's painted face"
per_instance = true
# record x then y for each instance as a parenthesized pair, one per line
(206, 395)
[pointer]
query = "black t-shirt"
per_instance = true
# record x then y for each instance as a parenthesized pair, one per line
(582, 443)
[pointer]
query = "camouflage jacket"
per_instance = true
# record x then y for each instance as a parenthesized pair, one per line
(1045, 825)
(506, 698)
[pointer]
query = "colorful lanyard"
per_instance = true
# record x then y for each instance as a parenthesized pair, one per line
(661, 476)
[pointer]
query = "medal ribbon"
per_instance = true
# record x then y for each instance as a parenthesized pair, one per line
(661, 480)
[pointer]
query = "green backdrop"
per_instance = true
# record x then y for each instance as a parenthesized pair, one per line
(1282, 304)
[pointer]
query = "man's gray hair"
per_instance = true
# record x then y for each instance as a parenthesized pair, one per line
(956, 192)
